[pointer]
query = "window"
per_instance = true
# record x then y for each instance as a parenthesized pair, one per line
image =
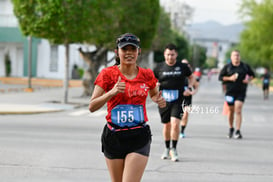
(53, 65)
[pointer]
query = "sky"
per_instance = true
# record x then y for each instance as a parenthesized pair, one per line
(222, 11)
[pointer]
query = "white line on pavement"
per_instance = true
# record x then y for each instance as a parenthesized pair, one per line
(98, 113)
(80, 112)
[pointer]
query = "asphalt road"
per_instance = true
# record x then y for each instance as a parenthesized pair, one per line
(65, 146)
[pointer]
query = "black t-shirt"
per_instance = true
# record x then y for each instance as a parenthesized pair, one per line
(266, 79)
(238, 86)
(172, 77)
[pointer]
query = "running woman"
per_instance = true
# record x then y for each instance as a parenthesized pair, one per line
(126, 137)
(236, 75)
(171, 75)
(187, 102)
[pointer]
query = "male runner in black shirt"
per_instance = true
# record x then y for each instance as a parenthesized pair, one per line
(171, 76)
(236, 75)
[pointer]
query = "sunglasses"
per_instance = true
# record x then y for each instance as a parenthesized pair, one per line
(129, 38)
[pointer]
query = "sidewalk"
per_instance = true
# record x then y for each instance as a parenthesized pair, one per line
(44, 99)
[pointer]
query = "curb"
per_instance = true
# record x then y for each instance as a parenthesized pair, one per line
(26, 109)
(6, 109)
(9, 90)
(40, 82)
(25, 112)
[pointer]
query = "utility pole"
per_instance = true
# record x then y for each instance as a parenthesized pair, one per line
(29, 89)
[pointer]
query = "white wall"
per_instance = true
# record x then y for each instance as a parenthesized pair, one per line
(15, 51)
(19, 64)
(16, 57)
(43, 60)
(2, 63)
(7, 18)
(43, 56)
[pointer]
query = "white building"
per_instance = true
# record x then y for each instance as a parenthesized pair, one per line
(180, 13)
(47, 60)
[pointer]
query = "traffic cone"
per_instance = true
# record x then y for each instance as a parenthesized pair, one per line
(225, 109)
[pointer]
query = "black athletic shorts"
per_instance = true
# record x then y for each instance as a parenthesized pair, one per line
(231, 98)
(187, 101)
(117, 144)
(172, 109)
(265, 86)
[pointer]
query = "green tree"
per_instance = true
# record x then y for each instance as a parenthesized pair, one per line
(197, 55)
(211, 62)
(182, 47)
(141, 18)
(59, 21)
(87, 21)
(114, 18)
(137, 16)
(181, 44)
(164, 33)
(256, 44)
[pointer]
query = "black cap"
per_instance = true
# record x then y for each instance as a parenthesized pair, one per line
(128, 39)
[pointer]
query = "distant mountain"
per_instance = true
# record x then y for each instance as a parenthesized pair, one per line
(207, 25)
(215, 30)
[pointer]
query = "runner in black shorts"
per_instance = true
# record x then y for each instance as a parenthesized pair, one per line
(186, 104)
(266, 83)
(236, 76)
(126, 137)
(171, 75)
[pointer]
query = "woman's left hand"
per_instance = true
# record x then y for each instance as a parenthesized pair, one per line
(160, 100)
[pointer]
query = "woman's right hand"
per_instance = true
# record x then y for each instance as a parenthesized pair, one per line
(98, 98)
(119, 87)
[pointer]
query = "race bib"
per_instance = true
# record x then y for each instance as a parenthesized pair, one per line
(266, 81)
(127, 115)
(170, 95)
(229, 99)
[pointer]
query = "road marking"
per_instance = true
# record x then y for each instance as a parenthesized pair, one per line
(87, 112)
(98, 113)
(79, 113)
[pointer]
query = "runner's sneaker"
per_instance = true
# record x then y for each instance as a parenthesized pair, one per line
(166, 154)
(182, 135)
(174, 155)
(230, 134)
(238, 135)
